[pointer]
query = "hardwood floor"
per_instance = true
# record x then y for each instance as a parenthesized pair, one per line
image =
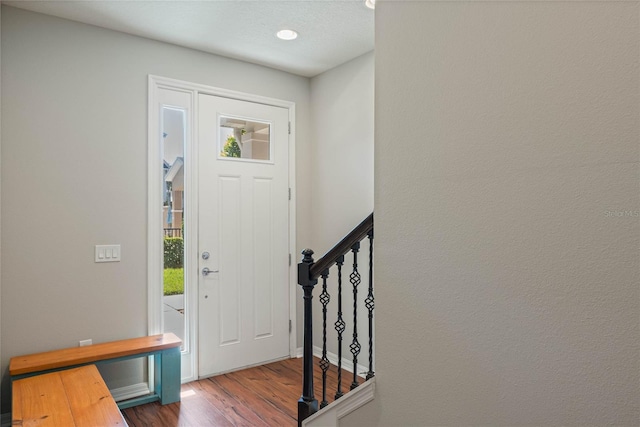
(262, 396)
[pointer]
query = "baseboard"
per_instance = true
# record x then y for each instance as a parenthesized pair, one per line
(346, 363)
(333, 359)
(330, 415)
(5, 420)
(130, 391)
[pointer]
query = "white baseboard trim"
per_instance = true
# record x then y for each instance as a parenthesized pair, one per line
(346, 364)
(333, 412)
(333, 359)
(130, 391)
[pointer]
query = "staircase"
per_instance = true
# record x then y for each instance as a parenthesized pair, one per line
(362, 302)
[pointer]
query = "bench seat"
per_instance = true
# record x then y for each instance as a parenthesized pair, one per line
(165, 348)
(74, 397)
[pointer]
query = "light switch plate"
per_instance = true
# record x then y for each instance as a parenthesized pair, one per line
(107, 253)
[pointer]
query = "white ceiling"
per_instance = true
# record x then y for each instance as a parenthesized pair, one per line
(331, 31)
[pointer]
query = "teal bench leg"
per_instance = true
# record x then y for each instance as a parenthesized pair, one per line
(167, 375)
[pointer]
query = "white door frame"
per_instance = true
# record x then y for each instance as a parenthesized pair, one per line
(154, 215)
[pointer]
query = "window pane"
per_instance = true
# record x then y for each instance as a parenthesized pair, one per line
(173, 141)
(244, 139)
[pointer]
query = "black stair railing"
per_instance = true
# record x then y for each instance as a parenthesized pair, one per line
(308, 273)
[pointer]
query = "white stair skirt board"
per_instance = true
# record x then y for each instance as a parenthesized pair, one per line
(330, 414)
(333, 359)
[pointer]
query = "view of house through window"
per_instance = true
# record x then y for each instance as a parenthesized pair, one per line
(173, 142)
(244, 139)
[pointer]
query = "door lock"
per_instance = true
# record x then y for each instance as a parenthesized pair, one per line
(205, 255)
(206, 271)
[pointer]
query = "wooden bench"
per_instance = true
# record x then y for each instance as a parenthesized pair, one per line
(75, 397)
(165, 349)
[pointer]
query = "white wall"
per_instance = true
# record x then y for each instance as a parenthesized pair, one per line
(507, 141)
(74, 168)
(342, 177)
(342, 153)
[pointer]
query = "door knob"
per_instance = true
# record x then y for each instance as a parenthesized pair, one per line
(206, 271)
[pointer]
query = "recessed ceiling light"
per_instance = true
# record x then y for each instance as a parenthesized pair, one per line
(287, 34)
(371, 4)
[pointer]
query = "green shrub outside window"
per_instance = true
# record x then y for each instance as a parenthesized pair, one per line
(173, 252)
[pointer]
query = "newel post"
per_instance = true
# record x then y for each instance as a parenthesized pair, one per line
(307, 405)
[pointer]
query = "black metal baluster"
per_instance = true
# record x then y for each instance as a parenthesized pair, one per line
(324, 362)
(369, 303)
(339, 325)
(307, 405)
(354, 278)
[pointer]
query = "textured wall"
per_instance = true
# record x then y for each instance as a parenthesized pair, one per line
(74, 172)
(507, 214)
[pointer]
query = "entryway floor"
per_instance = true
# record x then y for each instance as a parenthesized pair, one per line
(263, 396)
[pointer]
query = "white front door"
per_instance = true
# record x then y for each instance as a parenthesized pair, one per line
(243, 223)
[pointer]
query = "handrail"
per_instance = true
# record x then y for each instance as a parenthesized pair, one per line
(356, 235)
(308, 273)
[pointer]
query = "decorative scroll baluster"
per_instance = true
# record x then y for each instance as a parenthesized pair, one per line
(354, 278)
(339, 325)
(307, 405)
(324, 362)
(369, 303)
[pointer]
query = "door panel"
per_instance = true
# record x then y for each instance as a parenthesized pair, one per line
(262, 257)
(244, 225)
(230, 258)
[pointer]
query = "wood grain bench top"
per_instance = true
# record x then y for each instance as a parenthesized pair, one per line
(66, 357)
(75, 397)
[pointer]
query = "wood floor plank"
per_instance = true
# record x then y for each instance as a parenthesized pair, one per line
(266, 411)
(270, 389)
(193, 410)
(261, 396)
(237, 413)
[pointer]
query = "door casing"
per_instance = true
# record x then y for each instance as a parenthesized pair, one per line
(154, 215)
